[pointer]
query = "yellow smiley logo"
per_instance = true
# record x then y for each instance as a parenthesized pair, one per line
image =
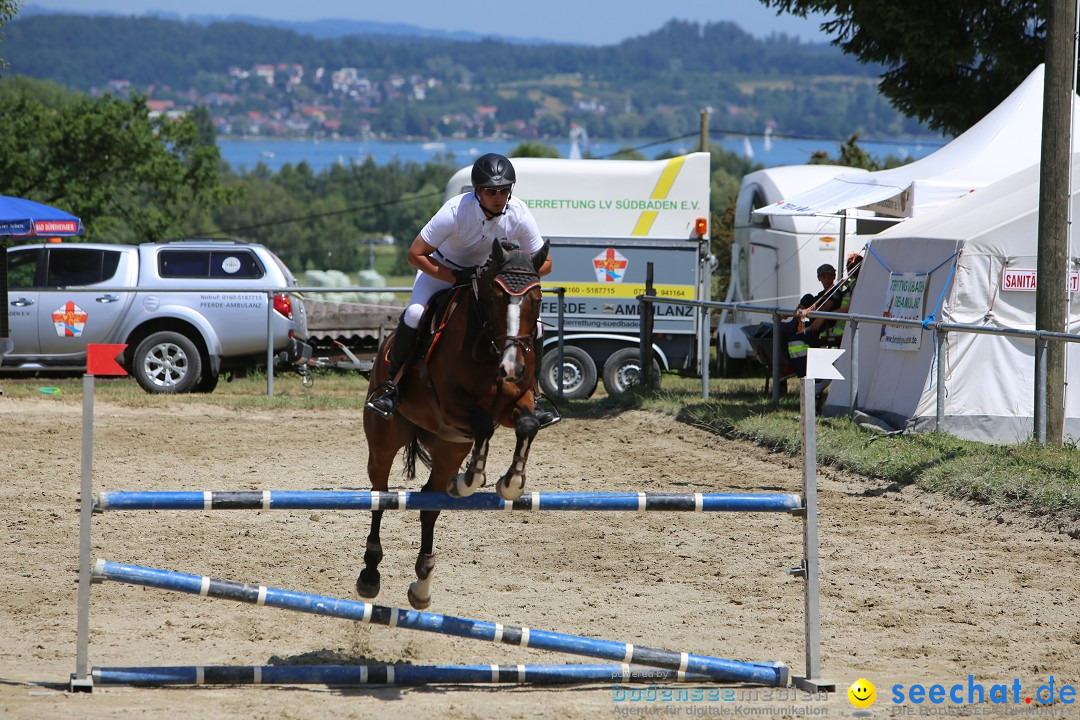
(862, 693)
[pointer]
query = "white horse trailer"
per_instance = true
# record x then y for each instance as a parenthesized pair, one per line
(774, 259)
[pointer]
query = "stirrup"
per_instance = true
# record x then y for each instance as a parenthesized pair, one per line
(545, 417)
(386, 402)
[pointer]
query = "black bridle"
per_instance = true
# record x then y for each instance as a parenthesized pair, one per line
(516, 278)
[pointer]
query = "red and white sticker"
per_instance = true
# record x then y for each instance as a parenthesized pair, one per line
(69, 320)
(610, 266)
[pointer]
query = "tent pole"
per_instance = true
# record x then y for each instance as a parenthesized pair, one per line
(853, 395)
(940, 349)
(843, 242)
(6, 345)
(1040, 389)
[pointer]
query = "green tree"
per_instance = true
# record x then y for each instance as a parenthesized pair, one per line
(533, 148)
(851, 155)
(550, 125)
(129, 177)
(204, 125)
(947, 62)
(318, 221)
(8, 10)
(628, 153)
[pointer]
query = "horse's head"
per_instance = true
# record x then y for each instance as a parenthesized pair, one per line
(509, 296)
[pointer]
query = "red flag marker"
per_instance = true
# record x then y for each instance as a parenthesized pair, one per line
(101, 359)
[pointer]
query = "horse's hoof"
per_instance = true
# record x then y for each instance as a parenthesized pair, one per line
(366, 589)
(458, 488)
(452, 486)
(510, 491)
(416, 602)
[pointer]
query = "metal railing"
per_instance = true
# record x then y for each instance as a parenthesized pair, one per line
(940, 329)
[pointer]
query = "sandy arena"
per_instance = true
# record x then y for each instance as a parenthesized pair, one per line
(916, 589)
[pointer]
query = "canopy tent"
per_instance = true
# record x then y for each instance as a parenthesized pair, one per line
(26, 218)
(1002, 143)
(977, 259)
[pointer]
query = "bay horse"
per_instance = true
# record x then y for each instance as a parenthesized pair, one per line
(474, 371)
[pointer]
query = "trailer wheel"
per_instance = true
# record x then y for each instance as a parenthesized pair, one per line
(578, 376)
(728, 366)
(622, 371)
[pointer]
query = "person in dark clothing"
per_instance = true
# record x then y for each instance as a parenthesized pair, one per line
(801, 332)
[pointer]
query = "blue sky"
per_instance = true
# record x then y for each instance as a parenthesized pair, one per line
(579, 21)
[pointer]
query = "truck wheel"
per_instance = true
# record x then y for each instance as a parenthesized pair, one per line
(622, 371)
(167, 362)
(206, 383)
(578, 376)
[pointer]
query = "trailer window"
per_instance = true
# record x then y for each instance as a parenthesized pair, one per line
(758, 201)
(751, 197)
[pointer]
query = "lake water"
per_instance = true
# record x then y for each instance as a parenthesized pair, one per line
(275, 153)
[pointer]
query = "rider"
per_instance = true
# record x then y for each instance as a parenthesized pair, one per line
(449, 249)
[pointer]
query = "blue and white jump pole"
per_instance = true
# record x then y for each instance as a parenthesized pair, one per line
(406, 500)
(773, 674)
(533, 674)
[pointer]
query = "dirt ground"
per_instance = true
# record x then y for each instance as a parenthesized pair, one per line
(916, 589)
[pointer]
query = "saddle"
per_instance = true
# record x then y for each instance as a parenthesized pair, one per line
(437, 314)
(440, 309)
(436, 317)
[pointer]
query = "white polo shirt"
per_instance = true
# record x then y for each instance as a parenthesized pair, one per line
(463, 234)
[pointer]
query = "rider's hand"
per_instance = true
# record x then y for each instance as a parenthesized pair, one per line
(464, 276)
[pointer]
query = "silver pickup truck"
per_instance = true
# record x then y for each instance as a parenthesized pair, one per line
(180, 337)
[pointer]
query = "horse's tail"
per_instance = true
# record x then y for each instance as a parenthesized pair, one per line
(412, 451)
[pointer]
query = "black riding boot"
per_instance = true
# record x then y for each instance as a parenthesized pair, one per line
(543, 416)
(386, 402)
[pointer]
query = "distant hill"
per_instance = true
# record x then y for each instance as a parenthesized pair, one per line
(100, 47)
(279, 80)
(326, 28)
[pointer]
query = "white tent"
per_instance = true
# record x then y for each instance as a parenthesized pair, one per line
(978, 257)
(1002, 143)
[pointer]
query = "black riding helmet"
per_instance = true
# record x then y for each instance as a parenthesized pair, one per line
(493, 170)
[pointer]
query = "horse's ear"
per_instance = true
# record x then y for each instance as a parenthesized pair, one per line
(497, 253)
(540, 255)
